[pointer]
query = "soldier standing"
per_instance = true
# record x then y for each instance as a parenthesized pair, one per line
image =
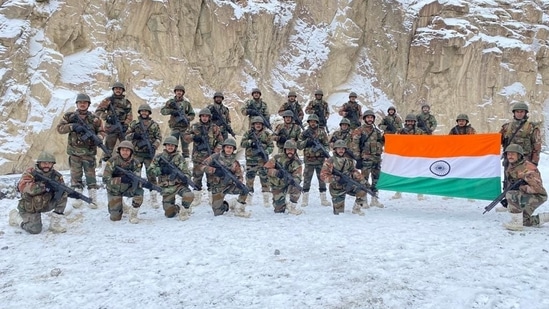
(426, 121)
(523, 201)
(286, 131)
(181, 114)
(319, 107)
(368, 144)
(391, 123)
(293, 106)
(172, 186)
(352, 111)
(116, 112)
(314, 157)
(37, 197)
(81, 148)
(463, 127)
(411, 129)
(207, 139)
(120, 185)
(280, 165)
(256, 107)
(259, 146)
(344, 133)
(144, 133)
(221, 116)
(338, 189)
(220, 184)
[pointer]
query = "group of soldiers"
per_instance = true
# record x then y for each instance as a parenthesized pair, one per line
(352, 169)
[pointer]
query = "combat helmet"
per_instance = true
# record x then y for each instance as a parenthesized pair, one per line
(287, 113)
(319, 92)
(515, 148)
(313, 117)
(369, 113)
(219, 94)
(340, 144)
(205, 111)
(171, 140)
(82, 97)
(254, 90)
(292, 94)
(229, 142)
(462, 117)
(345, 121)
(45, 156)
(125, 144)
(118, 85)
(410, 117)
(391, 108)
(353, 94)
(257, 119)
(520, 106)
(290, 144)
(179, 87)
(144, 107)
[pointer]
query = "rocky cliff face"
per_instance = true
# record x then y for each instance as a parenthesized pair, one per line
(474, 57)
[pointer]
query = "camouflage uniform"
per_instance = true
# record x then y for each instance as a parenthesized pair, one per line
(123, 108)
(428, 120)
(342, 134)
(319, 107)
(391, 124)
(466, 130)
(528, 137)
(284, 132)
(313, 160)
(254, 161)
(179, 128)
(220, 110)
(367, 142)
(172, 187)
(136, 135)
(293, 107)
(353, 112)
(279, 187)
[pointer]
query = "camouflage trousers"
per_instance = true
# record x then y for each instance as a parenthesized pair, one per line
(218, 197)
(338, 193)
(279, 197)
(115, 203)
(525, 203)
(371, 168)
(198, 175)
(83, 166)
(183, 146)
(168, 199)
(147, 162)
(257, 170)
(308, 176)
(110, 142)
(32, 220)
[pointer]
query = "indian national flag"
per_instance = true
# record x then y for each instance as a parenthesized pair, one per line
(465, 166)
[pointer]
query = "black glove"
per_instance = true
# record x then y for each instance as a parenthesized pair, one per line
(78, 128)
(252, 112)
(197, 138)
(340, 180)
(252, 143)
(282, 139)
(359, 164)
(280, 174)
(137, 135)
(218, 172)
(309, 143)
(504, 202)
(111, 119)
(125, 179)
(165, 169)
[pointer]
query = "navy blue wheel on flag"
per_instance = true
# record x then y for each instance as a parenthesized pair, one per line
(440, 168)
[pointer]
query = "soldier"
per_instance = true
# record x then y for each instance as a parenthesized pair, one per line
(463, 126)
(344, 133)
(352, 111)
(319, 107)
(278, 166)
(367, 143)
(207, 139)
(119, 185)
(391, 123)
(411, 129)
(220, 115)
(523, 202)
(116, 111)
(256, 107)
(81, 148)
(172, 186)
(144, 133)
(221, 187)
(338, 189)
(255, 159)
(314, 157)
(286, 131)
(181, 114)
(293, 106)
(426, 121)
(37, 197)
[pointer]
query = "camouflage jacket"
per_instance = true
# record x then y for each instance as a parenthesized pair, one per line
(354, 113)
(342, 164)
(200, 131)
(172, 107)
(122, 107)
(319, 108)
(76, 146)
(391, 124)
(526, 170)
(528, 137)
(368, 142)
(318, 134)
(427, 119)
(341, 135)
(287, 131)
(113, 179)
(264, 137)
(292, 166)
(466, 130)
(294, 107)
(35, 195)
(220, 110)
(411, 131)
(259, 105)
(162, 171)
(228, 161)
(135, 129)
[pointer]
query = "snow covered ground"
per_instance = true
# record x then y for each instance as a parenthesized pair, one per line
(412, 254)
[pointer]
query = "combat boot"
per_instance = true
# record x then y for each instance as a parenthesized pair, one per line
(77, 203)
(184, 213)
(364, 203)
(305, 199)
(543, 218)
(154, 200)
(292, 209)
(516, 223)
(133, 215)
(357, 210)
(266, 199)
(398, 195)
(323, 200)
(239, 209)
(55, 223)
(197, 198)
(15, 218)
(375, 202)
(93, 196)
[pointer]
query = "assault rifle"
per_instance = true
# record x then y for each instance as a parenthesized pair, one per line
(136, 180)
(217, 115)
(90, 135)
(352, 115)
(179, 115)
(321, 116)
(316, 145)
(296, 116)
(287, 176)
(501, 198)
(177, 173)
(349, 182)
(266, 121)
(258, 149)
(390, 125)
(205, 141)
(113, 120)
(145, 140)
(423, 125)
(59, 189)
(229, 177)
